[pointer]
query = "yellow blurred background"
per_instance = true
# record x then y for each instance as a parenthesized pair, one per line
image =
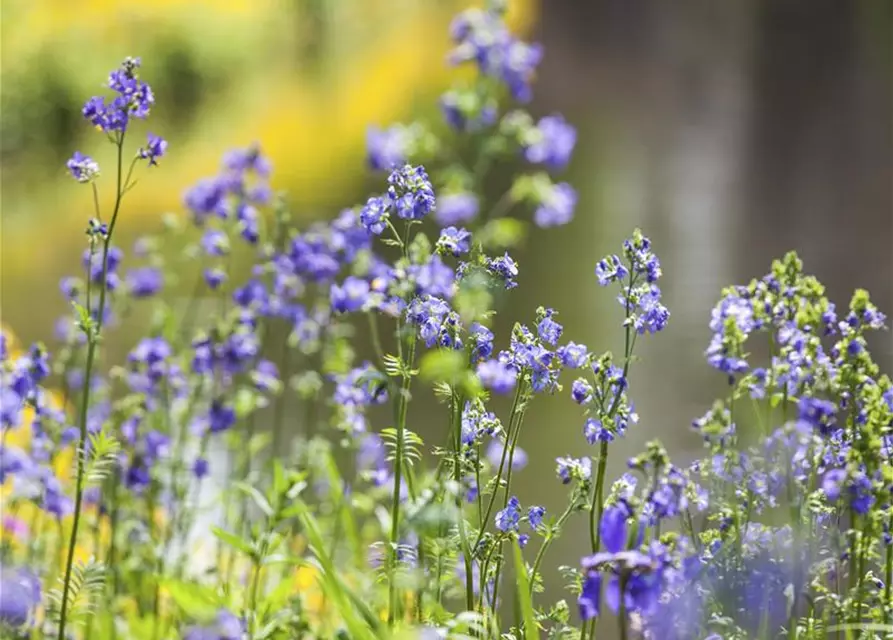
(304, 78)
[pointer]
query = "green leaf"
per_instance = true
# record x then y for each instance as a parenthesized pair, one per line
(259, 442)
(530, 629)
(503, 233)
(199, 603)
(262, 503)
(244, 403)
(443, 365)
(393, 366)
(333, 586)
(233, 540)
(103, 458)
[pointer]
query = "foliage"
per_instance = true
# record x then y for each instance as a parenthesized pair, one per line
(333, 518)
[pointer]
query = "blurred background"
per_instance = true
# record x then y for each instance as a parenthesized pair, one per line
(730, 131)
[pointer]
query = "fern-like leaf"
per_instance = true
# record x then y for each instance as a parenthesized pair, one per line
(102, 456)
(84, 592)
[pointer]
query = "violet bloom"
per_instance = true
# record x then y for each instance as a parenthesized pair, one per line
(350, 296)
(456, 208)
(552, 143)
(507, 519)
(387, 148)
(144, 282)
(154, 149)
(556, 207)
(82, 168)
(226, 627)
(497, 376)
(19, 596)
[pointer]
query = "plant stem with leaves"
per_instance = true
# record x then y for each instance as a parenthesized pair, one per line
(93, 337)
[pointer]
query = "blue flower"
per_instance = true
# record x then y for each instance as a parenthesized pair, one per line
(144, 282)
(861, 493)
(82, 168)
(613, 529)
(557, 206)
(14, 461)
(573, 355)
(610, 269)
(214, 277)
(497, 376)
(651, 315)
(549, 331)
(410, 192)
(482, 37)
(374, 215)
(551, 143)
(720, 357)
(249, 222)
(466, 111)
(641, 259)
(388, 148)
(207, 197)
(134, 99)
(93, 263)
(482, 342)
(433, 278)
(494, 455)
(19, 596)
(215, 243)
(735, 307)
(155, 148)
(226, 627)
(817, 413)
(535, 516)
(351, 296)
(456, 208)
(504, 268)
(200, 467)
(266, 376)
(581, 391)
(220, 417)
(507, 519)
(454, 241)
(594, 431)
(589, 600)
(579, 469)
(247, 159)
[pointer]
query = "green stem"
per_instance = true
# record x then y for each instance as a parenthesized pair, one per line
(595, 511)
(456, 406)
(398, 481)
(92, 342)
(508, 437)
(547, 542)
(888, 587)
(255, 586)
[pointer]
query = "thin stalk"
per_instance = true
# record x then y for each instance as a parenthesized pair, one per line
(398, 481)
(547, 542)
(92, 342)
(888, 587)
(457, 403)
(255, 588)
(595, 511)
(508, 436)
(508, 487)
